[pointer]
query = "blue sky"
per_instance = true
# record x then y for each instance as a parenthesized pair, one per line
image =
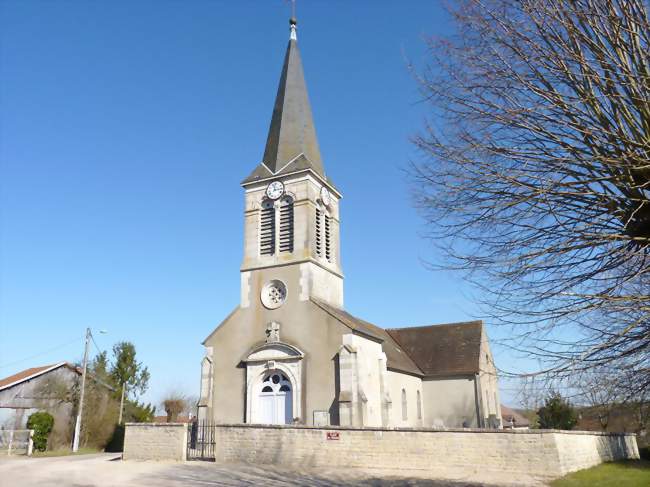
(125, 130)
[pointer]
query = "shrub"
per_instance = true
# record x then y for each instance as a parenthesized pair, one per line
(42, 424)
(116, 443)
(557, 413)
(100, 415)
(644, 453)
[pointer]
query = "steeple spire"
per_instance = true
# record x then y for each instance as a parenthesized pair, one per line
(292, 23)
(291, 144)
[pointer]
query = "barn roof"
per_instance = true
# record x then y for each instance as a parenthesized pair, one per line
(31, 373)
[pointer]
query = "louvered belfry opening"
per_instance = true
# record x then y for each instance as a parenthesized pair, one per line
(319, 240)
(286, 224)
(267, 228)
(324, 234)
(328, 242)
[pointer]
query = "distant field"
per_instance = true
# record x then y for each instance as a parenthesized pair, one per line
(632, 473)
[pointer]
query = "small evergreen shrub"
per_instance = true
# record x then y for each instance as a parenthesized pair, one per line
(557, 413)
(644, 453)
(42, 424)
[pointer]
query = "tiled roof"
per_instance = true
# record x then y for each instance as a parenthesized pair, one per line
(435, 350)
(512, 418)
(30, 373)
(396, 357)
(442, 350)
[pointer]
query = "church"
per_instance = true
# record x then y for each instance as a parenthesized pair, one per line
(289, 353)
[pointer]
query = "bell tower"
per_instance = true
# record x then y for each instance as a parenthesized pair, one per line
(291, 229)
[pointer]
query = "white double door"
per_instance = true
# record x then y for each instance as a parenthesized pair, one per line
(274, 401)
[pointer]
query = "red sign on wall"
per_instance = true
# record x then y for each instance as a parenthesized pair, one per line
(333, 435)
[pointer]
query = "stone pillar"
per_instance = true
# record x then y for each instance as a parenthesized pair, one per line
(348, 400)
(207, 378)
(386, 402)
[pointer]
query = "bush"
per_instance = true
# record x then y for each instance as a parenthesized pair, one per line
(644, 453)
(116, 443)
(557, 413)
(42, 424)
(100, 416)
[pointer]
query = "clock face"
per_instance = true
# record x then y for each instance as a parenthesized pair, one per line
(325, 196)
(275, 190)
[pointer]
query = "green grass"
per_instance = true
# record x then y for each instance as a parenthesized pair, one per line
(631, 473)
(64, 451)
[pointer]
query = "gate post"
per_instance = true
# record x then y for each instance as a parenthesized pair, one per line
(30, 443)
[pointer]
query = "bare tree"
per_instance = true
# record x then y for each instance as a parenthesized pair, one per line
(175, 404)
(601, 393)
(535, 170)
(641, 408)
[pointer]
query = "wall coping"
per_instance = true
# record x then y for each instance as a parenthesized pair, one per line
(399, 430)
(154, 425)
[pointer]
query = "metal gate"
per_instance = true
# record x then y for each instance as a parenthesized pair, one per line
(200, 440)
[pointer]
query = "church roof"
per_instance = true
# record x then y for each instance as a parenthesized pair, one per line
(433, 351)
(449, 349)
(291, 144)
(395, 356)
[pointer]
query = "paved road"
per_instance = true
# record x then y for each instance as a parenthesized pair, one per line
(107, 470)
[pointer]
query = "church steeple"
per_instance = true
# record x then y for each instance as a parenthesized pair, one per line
(291, 144)
(291, 229)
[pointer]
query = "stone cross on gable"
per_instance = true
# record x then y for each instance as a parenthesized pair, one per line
(273, 332)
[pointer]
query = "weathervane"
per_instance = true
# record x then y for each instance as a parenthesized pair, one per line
(293, 7)
(293, 21)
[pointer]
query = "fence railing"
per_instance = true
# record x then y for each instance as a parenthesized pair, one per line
(200, 440)
(16, 442)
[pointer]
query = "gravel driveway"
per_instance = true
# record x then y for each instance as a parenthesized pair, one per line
(107, 469)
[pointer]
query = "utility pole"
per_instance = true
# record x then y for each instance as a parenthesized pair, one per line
(77, 427)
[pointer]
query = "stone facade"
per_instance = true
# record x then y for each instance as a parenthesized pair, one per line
(334, 367)
(317, 275)
(155, 441)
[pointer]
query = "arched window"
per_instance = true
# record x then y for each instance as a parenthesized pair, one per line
(286, 224)
(404, 406)
(419, 405)
(267, 228)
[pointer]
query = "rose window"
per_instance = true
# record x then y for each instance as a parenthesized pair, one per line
(274, 294)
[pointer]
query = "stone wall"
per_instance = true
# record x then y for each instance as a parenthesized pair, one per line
(449, 454)
(155, 441)
(443, 454)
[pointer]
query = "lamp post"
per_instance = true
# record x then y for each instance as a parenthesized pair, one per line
(77, 426)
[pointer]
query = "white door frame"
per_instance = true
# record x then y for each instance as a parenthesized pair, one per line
(279, 356)
(278, 398)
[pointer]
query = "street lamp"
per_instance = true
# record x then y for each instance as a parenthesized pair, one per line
(77, 426)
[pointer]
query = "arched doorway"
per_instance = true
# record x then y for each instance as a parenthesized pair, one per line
(274, 400)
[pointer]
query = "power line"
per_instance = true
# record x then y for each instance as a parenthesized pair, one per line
(58, 347)
(92, 337)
